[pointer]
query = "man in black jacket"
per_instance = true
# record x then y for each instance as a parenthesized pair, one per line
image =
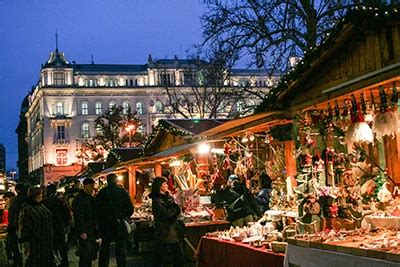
(13, 221)
(113, 204)
(85, 223)
(58, 207)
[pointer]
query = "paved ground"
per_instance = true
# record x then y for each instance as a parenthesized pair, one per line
(133, 259)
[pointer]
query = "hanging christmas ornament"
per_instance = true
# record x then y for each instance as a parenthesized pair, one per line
(343, 120)
(268, 137)
(386, 122)
(227, 152)
(358, 131)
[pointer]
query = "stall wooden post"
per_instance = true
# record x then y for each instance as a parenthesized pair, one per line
(290, 161)
(132, 181)
(158, 169)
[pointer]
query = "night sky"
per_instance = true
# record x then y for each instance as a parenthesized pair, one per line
(113, 31)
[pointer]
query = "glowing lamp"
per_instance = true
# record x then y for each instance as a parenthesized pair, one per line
(203, 149)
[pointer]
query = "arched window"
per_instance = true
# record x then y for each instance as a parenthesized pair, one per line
(126, 107)
(139, 108)
(112, 105)
(85, 108)
(85, 130)
(159, 106)
(99, 108)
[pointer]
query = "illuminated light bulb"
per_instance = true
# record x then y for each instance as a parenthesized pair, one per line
(203, 149)
(137, 182)
(245, 139)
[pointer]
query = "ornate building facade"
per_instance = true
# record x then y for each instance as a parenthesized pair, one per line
(69, 97)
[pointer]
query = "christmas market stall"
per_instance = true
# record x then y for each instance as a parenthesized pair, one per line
(253, 145)
(343, 97)
(343, 100)
(171, 151)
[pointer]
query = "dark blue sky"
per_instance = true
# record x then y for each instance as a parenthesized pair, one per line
(113, 31)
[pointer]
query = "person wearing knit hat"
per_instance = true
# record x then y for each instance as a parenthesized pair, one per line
(168, 229)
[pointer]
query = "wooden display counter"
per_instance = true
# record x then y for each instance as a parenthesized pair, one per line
(349, 253)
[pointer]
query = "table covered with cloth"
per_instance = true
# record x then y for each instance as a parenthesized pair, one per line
(216, 252)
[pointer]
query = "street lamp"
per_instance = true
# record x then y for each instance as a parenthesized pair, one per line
(130, 128)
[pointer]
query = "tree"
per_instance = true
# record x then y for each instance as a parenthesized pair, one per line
(209, 94)
(115, 129)
(271, 31)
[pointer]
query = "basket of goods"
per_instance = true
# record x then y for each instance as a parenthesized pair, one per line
(278, 247)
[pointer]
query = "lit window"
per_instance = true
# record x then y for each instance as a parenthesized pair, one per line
(140, 129)
(60, 132)
(59, 78)
(85, 130)
(139, 108)
(126, 107)
(239, 106)
(99, 108)
(99, 129)
(112, 106)
(159, 106)
(62, 156)
(60, 108)
(85, 108)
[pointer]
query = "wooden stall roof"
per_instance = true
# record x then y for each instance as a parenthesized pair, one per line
(363, 54)
(255, 123)
(162, 139)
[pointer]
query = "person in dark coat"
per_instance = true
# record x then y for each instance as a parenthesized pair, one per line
(241, 205)
(265, 193)
(166, 229)
(36, 231)
(113, 204)
(13, 222)
(58, 207)
(85, 223)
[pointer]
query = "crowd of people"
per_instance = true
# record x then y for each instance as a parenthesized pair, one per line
(43, 224)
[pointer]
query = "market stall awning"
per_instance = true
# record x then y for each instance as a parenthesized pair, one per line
(255, 123)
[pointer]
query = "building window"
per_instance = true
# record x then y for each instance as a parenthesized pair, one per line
(85, 130)
(60, 108)
(99, 108)
(239, 106)
(165, 79)
(139, 108)
(85, 108)
(62, 156)
(112, 106)
(99, 129)
(59, 78)
(159, 106)
(191, 107)
(60, 133)
(126, 107)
